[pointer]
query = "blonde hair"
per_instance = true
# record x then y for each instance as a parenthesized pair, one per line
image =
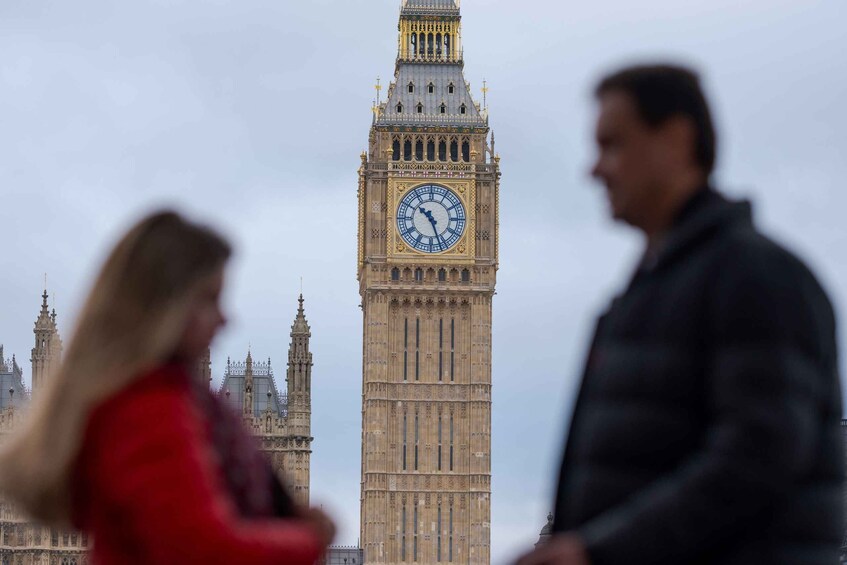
(132, 320)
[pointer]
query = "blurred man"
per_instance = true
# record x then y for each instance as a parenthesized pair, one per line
(707, 427)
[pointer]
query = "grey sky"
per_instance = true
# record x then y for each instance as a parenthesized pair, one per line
(252, 115)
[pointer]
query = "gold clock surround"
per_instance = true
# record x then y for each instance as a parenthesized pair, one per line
(463, 251)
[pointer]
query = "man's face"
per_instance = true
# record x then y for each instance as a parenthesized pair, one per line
(630, 158)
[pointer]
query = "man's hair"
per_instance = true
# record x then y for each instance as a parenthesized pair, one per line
(661, 92)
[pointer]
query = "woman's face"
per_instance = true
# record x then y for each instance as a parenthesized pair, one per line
(204, 318)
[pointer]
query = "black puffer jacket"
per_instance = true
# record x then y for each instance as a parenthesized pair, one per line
(707, 428)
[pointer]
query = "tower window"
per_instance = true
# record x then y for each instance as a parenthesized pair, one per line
(452, 348)
(450, 546)
(405, 421)
(417, 439)
(395, 152)
(419, 274)
(403, 528)
(454, 150)
(430, 88)
(419, 157)
(395, 272)
(420, 108)
(399, 108)
(442, 275)
(442, 150)
(443, 108)
(438, 532)
(411, 87)
(450, 88)
(430, 150)
(407, 150)
(415, 534)
(439, 441)
(463, 109)
(417, 349)
(440, 348)
(466, 275)
(466, 151)
(451, 441)
(405, 349)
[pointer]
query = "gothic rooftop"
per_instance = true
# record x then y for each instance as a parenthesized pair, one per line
(401, 108)
(13, 392)
(265, 394)
(429, 7)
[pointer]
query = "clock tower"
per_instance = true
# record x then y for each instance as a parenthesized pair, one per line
(427, 264)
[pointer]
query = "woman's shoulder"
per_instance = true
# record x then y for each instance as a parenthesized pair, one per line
(152, 399)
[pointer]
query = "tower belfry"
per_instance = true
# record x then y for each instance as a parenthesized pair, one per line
(47, 352)
(427, 261)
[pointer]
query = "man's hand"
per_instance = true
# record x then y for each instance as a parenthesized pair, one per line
(562, 549)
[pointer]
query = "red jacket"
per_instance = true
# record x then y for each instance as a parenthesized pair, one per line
(148, 488)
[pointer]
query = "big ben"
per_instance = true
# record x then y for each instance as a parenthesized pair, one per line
(427, 264)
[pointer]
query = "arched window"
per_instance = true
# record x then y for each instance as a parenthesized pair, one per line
(454, 150)
(450, 88)
(420, 108)
(419, 150)
(395, 150)
(443, 108)
(395, 274)
(466, 275)
(415, 44)
(442, 275)
(463, 109)
(447, 45)
(399, 108)
(407, 150)
(418, 275)
(442, 150)
(466, 151)
(430, 88)
(411, 87)
(430, 44)
(430, 150)
(438, 44)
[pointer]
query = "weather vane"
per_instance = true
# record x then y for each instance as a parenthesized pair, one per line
(485, 90)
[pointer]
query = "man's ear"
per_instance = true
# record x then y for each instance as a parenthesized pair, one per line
(678, 136)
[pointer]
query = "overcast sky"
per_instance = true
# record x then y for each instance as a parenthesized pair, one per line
(251, 115)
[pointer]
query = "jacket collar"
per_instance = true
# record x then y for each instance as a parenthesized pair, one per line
(704, 213)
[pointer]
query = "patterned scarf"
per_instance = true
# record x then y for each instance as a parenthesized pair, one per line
(248, 475)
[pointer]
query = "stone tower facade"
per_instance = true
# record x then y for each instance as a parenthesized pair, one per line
(427, 263)
(48, 346)
(280, 422)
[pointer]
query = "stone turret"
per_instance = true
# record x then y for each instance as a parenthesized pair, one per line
(47, 352)
(247, 406)
(204, 368)
(300, 376)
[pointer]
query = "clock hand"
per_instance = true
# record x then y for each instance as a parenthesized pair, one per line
(431, 219)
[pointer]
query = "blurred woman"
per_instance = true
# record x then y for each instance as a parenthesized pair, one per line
(128, 446)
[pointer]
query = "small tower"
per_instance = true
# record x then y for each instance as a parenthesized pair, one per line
(204, 368)
(247, 406)
(48, 346)
(299, 378)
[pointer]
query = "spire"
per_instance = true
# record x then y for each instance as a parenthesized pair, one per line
(48, 345)
(300, 326)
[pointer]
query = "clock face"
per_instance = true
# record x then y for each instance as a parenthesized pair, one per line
(431, 218)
